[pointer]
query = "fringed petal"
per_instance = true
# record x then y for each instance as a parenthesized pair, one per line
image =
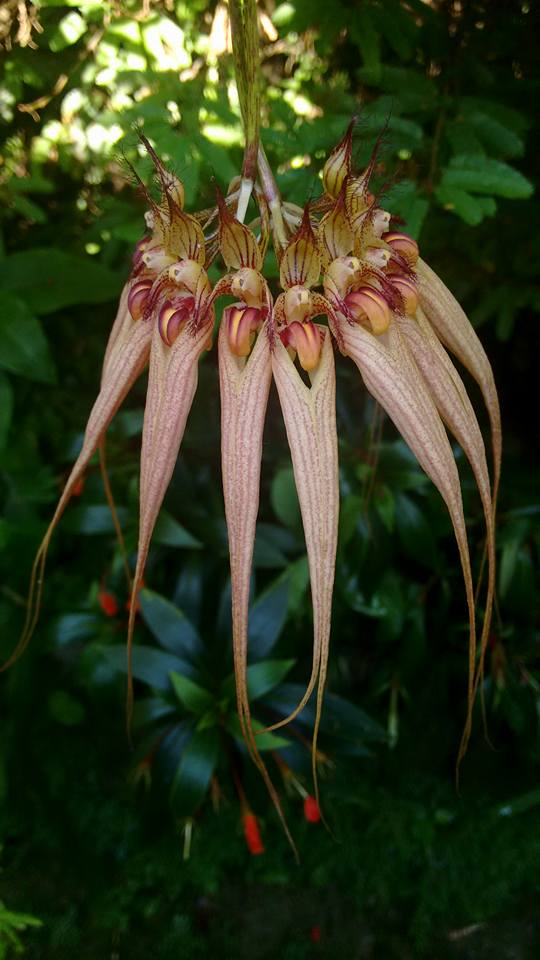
(454, 329)
(310, 421)
(392, 377)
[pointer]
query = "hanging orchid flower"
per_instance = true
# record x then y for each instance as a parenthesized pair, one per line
(348, 280)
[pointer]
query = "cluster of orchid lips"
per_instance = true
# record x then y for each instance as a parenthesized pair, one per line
(348, 280)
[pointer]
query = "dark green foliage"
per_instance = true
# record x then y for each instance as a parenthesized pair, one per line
(413, 868)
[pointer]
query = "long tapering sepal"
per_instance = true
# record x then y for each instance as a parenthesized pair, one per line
(244, 388)
(454, 329)
(455, 407)
(127, 355)
(310, 420)
(393, 378)
(172, 382)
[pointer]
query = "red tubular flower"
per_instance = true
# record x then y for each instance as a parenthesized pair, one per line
(108, 603)
(311, 810)
(252, 833)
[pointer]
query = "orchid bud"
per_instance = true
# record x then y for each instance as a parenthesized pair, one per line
(138, 297)
(407, 291)
(338, 165)
(241, 324)
(306, 339)
(369, 305)
(248, 285)
(172, 317)
(404, 245)
(297, 304)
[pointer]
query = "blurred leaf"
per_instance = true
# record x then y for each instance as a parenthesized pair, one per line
(471, 209)
(265, 741)
(93, 519)
(69, 30)
(485, 175)
(65, 709)
(168, 532)
(6, 408)
(261, 678)
(267, 617)
(192, 696)
(199, 760)
(73, 626)
(23, 347)
(169, 625)
(49, 279)
(284, 498)
(149, 665)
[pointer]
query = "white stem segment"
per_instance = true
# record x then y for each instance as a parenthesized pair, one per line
(393, 378)
(310, 420)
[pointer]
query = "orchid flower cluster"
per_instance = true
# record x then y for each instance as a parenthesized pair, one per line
(350, 284)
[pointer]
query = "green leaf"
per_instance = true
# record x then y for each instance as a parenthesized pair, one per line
(267, 617)
(462, 138)
(284, 498)
(406, 201)
(69, 30)
(190, 694)
(149, 665)
(497, 137)
(93, 519)
(261, 678)
(471, 209)
(199, 760)
(415, 532)
(65, 709)
(28, 209)
(363, 31)
(6, 408)
(49, 279)
(73, 626)
(265, 741)
(485, 175)
(169, 533)
(169, 625)
(23, 347)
